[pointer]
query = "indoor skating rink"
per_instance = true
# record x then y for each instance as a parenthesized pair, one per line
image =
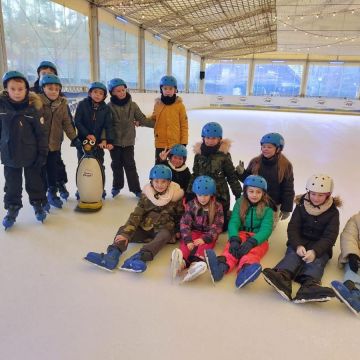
(54, 305)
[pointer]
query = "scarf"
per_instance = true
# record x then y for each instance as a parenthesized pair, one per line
(120, 102)
(317, 210)
(168, 100)
(172, 193)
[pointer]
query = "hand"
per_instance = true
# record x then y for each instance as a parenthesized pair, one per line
(190, 246)
(109, 146)
(284, 215)
(354, 262)
(246, 246)
(309, 257)
(91, 138)
(199, 242)
(103, 144)
(240, 168)
(78, 144)
(40, 161)
(164, 154)
(235, 246)
(301, 251)
(136, 123)
(120, 238)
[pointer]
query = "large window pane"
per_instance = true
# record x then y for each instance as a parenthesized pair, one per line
(179, 68)
(333, 81)
(118, 55)
(277, 79)
(226, 78)
(194, 73)
(37, 30)
(155, 65)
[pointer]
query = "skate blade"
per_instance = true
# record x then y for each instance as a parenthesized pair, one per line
(303, 301)
(98, 266)
(174, 269)
(278, 290)
(255, 274)
(339, 296)
(208, 266)
(130, 270)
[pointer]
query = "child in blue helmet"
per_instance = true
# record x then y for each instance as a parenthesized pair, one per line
(93, 121)
(212, 158)
(155, 221)
(278, 172)
(45, 68)
(175, 159)
(24, 146)
(200, 227)
(124, 113)
(249, 229)
(57, 120)
(169, 118)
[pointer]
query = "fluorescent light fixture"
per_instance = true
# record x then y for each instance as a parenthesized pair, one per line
(157, 37)
(277, 61)
(121, 19)
(336, 62)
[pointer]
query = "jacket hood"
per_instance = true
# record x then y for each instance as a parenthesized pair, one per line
(45, 100)
(336, 200)
(225, 145)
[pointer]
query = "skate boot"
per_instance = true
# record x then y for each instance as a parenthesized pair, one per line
(10, 217)
(53, 199)
(280, 280)
(77, 195)
(40, 213)
(195, 270)
(248, 273)
(107, 261)
(217, 265)
(47, 207)
(104, 194)
(312, 291)
(64, 194)
(138, 194)
(348, 293)
(134, 264)
(177, 263)
(115, 192)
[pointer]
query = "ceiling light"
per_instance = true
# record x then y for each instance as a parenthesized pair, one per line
(121, 19)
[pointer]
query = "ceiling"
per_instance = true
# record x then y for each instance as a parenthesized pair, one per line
(229, 29)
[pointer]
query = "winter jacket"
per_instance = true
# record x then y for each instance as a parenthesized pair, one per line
(89, 121)
(151, 213)
(180, 175)
(317, 231)
(261, 226)
(123, 122)
(196, 218)
(282, 193)
(23, 137)
(57, 121)
(170, 124)
(219, 166)
(350, 239)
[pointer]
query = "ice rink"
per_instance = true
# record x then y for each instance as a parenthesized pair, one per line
(54, 305)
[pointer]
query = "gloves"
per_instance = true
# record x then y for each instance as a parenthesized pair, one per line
(77, 143)
(354, 262)
(284, 215)
(240, 168)
(40, 161)
(247, 246)
(235, 245)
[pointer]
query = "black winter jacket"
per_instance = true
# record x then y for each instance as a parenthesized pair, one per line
(89, 121)
(180, 175)
(318, 233)
(22, 132)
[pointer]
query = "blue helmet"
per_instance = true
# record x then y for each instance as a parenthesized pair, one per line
(273, 138)
(113, 83)
(98, 85)
(47, 64)
(256, 181)
(13, 75)
(49, 79)
(160, 172)
(212, 129)
(168, 80)
(204, 185)
(178, 150)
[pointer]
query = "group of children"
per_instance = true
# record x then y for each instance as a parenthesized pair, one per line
(193, 208)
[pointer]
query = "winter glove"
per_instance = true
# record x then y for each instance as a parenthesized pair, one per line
(247, 246)
(235, 245)
(284, 215)
(40, 161)
(77, 143)
(354, 262)
(240, 168)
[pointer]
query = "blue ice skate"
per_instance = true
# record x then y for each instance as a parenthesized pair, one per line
(115, 192)
(217, 268)
(348, 294)
(249, 273)
(134, 264)
(64, 194)
(40, 213)
(53, 199)
(107, 261)
(10, 217)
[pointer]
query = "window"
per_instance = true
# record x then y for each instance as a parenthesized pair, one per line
(226, 78)
(333, 81)
(179, 67)
(194, 81)
(155, 65)
(277, 79)
(118, 55)
(37, 30)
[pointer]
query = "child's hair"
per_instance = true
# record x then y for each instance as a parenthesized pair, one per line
(212, 209)
(260, 208)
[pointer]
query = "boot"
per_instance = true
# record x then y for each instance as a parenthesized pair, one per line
(40, 213)
(280, 280)
(64, 194)
(217, 265)
(108, 261)
(248, 273)
(177, 263)
(347, 293)
(10, 217)
(134, 264)
(52, 197)
(104, 194)
(311, 291)
(195, 270)
(115, 192)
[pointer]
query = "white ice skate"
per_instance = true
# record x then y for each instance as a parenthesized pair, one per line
(177, 263)
(195, 270)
